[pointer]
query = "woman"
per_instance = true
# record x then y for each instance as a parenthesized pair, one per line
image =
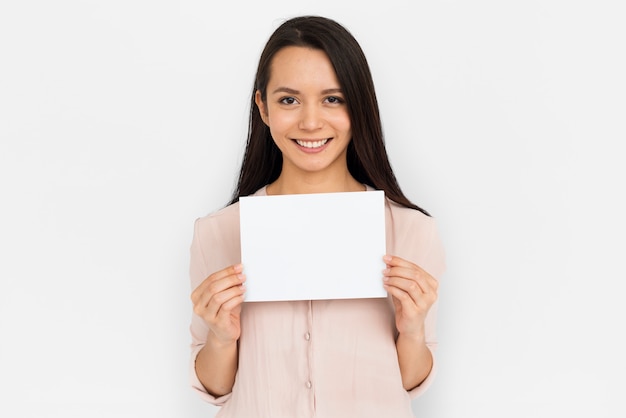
(315, 128)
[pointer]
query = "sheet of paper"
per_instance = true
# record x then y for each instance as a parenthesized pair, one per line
(313, 246)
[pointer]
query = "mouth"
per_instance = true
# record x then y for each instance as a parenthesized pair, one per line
(312, 144)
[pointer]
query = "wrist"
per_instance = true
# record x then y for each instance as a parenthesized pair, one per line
(217, 343)
(414, 337)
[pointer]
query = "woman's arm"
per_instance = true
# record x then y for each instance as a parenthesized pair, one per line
(413, 292)
(415, 359)
(216, 366)
(217, 300)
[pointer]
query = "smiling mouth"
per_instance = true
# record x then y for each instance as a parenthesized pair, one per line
(312, 144)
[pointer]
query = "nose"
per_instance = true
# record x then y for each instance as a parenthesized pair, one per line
(311, 118)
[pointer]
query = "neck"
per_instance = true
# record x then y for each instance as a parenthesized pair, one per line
(314, 183)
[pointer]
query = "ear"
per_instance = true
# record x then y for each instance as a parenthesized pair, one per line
(261, 105)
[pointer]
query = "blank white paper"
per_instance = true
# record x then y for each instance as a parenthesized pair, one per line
(313, 246)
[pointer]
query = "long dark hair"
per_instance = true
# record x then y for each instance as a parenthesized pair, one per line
(367, 158)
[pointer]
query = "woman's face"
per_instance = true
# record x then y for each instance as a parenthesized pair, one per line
(306, 112)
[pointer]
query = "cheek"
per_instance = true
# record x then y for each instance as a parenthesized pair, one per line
(281, 122)
(342, 122)
(277, 128)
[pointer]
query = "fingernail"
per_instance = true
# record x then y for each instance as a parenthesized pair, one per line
(238, 268)
(385, 279)
(241, 277)
(387, 258)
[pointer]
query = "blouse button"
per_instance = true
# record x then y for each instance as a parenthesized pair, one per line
(307, 336)
(309, 384)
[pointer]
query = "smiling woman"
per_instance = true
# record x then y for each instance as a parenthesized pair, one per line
(309, 122)
(315, 128)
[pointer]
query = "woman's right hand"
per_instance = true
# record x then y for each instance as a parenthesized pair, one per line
(217, 300)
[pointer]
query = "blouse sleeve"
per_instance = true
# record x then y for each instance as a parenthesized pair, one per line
(198, 271)
(422, 244)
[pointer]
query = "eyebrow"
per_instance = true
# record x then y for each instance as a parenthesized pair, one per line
(292, 91)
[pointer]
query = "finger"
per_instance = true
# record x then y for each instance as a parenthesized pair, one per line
(407, 302)
(395, 261)
(405, 279)
(412, 271)
(409, 286)
(422, 288)
(202, 300)
(218, 302)
(218, 275)
(406, 272)
(409, 297)
(224, 302)
(232, 303)
(392, 260)
(224, 283)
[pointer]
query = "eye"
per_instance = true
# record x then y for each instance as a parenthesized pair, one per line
(334, 100)
(288, 100)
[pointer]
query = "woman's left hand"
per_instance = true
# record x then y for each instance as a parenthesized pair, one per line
(413, 292)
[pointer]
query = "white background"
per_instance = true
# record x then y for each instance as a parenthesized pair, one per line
(123, 121)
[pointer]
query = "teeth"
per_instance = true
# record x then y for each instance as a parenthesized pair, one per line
(312, 144)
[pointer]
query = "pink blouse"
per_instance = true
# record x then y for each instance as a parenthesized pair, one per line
(320, 358)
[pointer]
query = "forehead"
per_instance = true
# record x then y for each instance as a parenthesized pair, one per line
(302, 66)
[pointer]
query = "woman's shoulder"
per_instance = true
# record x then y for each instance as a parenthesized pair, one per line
(404, 215)
(223, 213)
(218, 225)
(227, 215)
(414, 236)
